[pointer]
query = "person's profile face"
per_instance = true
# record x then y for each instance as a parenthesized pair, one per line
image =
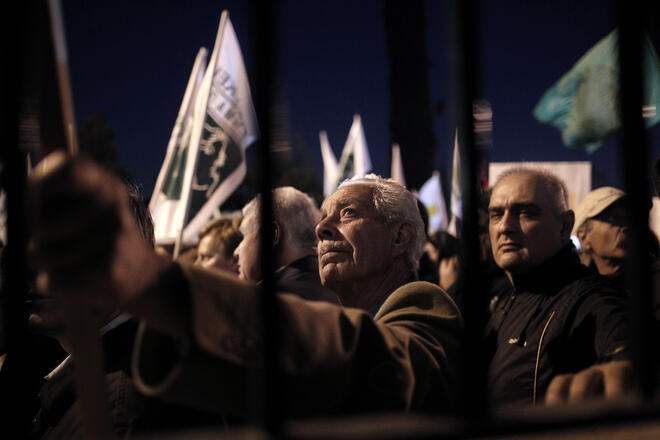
(607, 235)
(354, 241)
(211, 255)
(246, 254)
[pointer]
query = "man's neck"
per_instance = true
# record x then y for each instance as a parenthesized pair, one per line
(369, 292)
(65, 342)
(284, 258)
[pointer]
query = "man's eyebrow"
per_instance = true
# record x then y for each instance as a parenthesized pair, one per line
(515, 206)
(526, 205)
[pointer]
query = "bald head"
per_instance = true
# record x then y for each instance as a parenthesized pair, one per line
(529, 219)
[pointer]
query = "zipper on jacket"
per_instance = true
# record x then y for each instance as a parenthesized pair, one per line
(538, 355)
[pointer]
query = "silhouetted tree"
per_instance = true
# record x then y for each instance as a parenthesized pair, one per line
(411, 124)
(97, 139)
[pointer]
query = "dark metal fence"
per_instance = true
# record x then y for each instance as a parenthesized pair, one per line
(475, 419)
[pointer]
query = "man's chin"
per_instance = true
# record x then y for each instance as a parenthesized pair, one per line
(512, 263)
(330, 275)
(39, 326)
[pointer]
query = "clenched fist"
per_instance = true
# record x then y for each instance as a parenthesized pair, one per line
(85, 244)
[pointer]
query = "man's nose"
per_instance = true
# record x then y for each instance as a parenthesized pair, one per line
(325, 230)
(508, 223)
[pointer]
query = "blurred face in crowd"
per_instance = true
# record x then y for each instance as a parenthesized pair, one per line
(432, 252)
(606, 234)
(448, 270)
(247, 252)
(524, 225)
(354, 241)
(47, 315)
(211, 254)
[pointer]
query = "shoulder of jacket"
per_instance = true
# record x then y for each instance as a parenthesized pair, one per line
(419, 297)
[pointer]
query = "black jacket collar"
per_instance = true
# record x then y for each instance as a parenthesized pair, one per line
(549, 277)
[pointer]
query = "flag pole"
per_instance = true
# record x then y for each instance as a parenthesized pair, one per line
(198, 126)
(83, 333)
(63, 79)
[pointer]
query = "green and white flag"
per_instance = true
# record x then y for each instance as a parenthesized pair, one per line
(224, 125)
(329, 165)
(166, 205)
(584, 104)
(355, 159)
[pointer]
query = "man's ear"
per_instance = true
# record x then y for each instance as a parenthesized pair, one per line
(567, 222)
(584, 239)
(277, 234)
(403, 237)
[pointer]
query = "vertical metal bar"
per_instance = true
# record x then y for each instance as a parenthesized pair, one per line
(15, 41)
(634, 157)
(465, 82)
(264, 37)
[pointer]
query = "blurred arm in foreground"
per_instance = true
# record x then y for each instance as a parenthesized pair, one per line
(395, 350)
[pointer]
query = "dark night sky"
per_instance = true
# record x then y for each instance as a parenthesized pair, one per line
(132, 59)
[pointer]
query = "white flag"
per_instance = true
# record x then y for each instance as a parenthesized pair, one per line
(396, 171)
(355, 159)
(430, 194)
(329, 165)
(456, 200)
(166, 204)
(225, 124)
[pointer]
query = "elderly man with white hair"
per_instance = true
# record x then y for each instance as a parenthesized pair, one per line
(201, 329)
(294, 245)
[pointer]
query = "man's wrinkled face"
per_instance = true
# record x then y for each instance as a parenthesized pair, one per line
(210, 254)
(607, 233)
(355, 243)
(247, 252)
(524, 225)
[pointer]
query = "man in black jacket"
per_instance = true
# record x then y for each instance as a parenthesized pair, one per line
(553, 316)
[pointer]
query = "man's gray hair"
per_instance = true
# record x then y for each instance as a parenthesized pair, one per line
(293, 210)
(552, 183)
(396, 205)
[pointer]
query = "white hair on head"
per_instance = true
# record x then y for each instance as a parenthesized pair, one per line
(293, 210)
(396, 205)
(552, 183)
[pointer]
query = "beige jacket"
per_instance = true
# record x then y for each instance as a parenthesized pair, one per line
(334, 360)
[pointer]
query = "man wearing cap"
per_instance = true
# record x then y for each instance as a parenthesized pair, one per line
(602, 228)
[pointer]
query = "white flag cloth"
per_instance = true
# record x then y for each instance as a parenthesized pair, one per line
(430, 194)
(456, 199)
(355, 159)
(396, 170)
(166, 205)
(329, 165)
(225, 124)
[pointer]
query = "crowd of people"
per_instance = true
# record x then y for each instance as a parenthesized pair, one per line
(363, 326)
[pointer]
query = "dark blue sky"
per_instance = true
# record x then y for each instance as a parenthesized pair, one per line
(132, 60)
